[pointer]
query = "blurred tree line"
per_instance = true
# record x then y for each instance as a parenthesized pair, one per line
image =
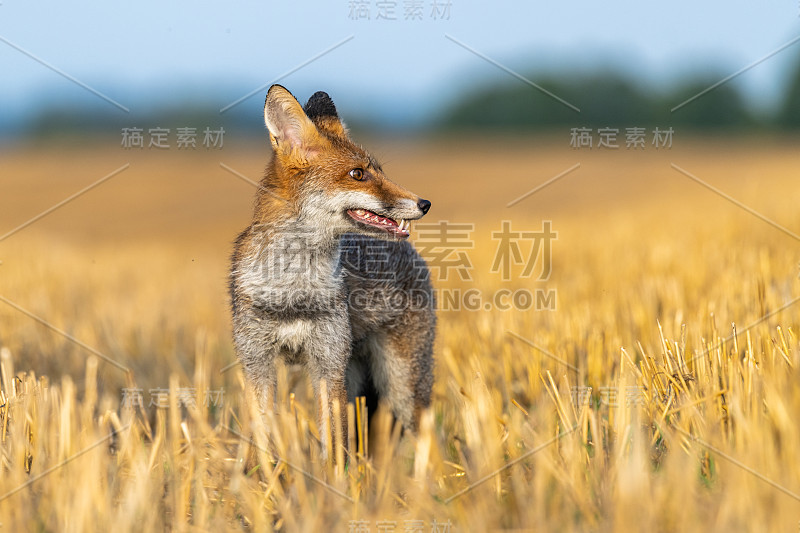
(790, 114)
(606, 99)
(60, 122)
(612, 99)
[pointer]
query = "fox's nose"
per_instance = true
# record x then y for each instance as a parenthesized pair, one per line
(423, 205)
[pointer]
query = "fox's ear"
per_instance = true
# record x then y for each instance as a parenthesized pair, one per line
(290, 130)
(322, 112)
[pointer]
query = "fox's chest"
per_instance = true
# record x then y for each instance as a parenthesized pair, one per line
(292, 283)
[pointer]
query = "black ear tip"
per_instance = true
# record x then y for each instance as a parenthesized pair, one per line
(320, 105)
(319, 95)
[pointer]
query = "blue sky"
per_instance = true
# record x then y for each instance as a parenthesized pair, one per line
(146, 53)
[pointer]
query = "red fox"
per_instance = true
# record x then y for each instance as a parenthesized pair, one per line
(323, 277)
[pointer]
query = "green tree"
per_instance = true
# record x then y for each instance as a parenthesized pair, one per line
(789, 116)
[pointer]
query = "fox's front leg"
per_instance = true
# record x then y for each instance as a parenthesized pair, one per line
(256, 351)
(402, 371)
(328, 354)
(260, 374)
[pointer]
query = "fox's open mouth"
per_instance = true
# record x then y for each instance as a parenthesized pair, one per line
(389, 225)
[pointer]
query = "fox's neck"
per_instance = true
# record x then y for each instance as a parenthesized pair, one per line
(294, 251)
(308, 221)
(295, 234)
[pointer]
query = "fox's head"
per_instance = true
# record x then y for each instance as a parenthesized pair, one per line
(330, 183)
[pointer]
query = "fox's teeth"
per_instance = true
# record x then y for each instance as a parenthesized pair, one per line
(402, 223)
(360, 212)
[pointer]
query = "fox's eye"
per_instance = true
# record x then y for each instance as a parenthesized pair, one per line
(357, 174)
